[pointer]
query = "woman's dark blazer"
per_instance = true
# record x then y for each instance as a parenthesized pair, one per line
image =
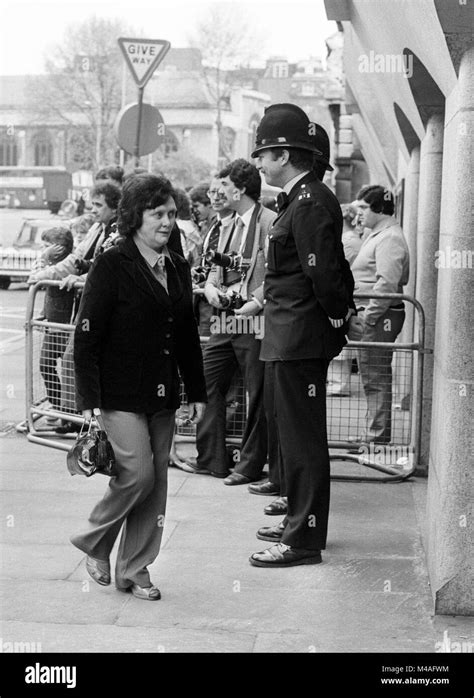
(132, 337)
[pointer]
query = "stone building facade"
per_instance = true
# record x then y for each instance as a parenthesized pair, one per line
(178, 88)
(408, 69)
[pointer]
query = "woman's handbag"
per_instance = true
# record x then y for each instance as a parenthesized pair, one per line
(92, 452)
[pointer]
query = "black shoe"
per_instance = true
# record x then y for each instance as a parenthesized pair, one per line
(281, 555)
(68, 428)
(266, 488)
(203, 471)
(279, 507)
(237, 479)
(272, 533)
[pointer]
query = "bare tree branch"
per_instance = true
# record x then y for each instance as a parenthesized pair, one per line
(225, 41)
(84, 84)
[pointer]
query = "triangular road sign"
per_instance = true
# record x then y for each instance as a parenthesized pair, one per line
(143, 56)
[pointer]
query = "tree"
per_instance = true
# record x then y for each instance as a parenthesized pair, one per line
(82, 89)
(226, 41)
(183, 168)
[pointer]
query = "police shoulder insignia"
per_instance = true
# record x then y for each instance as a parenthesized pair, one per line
(304, 195)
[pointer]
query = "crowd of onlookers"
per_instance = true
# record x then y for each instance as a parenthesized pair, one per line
(204, 213)
(70, 248)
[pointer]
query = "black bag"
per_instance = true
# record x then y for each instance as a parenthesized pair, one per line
(92, 452)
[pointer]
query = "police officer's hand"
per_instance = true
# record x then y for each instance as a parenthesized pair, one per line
(356, 328)
(196, 411)
(212, 295)
(69, 281)
(248, 309)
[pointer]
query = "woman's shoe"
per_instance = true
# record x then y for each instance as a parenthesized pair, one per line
(150, 593)
(99, 570)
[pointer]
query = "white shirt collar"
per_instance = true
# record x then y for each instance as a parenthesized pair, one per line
(245, 217)
(225, 220)
(289, 185)
(149, 255)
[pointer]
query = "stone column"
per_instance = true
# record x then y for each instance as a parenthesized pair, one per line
(429, 204)
(403, 375)
(410, 229)
(450, 527)
(59, 150)
(21, 144)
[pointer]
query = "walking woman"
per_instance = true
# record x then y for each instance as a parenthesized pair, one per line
(135, 331)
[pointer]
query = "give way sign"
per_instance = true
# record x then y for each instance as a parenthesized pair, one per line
(143, 56)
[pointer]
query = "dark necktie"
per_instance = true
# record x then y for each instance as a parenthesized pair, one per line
(282, 200)
(213, 238)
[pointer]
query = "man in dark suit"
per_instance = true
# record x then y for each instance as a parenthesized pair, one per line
(308, 303)
(236, 331)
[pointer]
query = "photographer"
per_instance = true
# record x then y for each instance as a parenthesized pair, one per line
(236, 292)
(221, 223)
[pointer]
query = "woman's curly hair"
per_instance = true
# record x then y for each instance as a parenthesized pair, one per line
(141, 192)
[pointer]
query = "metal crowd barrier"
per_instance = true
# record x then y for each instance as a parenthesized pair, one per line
(50, 396)
(347, 416)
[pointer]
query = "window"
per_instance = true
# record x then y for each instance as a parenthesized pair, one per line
(307, 89)
(43, 149)
(8, 151)
(170, 143)
(280, 70)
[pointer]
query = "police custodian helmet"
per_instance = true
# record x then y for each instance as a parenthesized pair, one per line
(287, 126)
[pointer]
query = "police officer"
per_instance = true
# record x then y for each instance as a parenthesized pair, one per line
(308, 303)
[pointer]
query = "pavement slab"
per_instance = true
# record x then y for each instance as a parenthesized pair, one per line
(370, 594)
(95, 637)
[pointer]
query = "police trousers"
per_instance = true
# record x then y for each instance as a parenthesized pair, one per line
(295, 397)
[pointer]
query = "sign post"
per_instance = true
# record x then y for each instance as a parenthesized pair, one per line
(142, 57)
(136, 151)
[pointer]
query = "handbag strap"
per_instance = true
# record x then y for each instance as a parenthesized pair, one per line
(100, 421)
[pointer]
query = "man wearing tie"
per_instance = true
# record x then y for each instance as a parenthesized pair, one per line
(232, 344)
(308, 303)
(221, 223)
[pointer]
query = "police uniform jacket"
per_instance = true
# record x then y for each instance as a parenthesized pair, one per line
(132, 336)
(308, 279)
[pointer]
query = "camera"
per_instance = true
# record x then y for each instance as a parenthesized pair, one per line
(228, 261)
(82, 265)
(199, 274)
(231, 301)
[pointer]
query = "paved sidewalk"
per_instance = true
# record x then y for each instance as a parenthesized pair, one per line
(371, 593)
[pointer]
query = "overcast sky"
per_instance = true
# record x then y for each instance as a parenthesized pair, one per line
(296, 29)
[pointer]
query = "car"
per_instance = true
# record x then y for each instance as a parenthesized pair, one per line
(17, 260)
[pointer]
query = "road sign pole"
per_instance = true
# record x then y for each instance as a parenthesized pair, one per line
(139, 124)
